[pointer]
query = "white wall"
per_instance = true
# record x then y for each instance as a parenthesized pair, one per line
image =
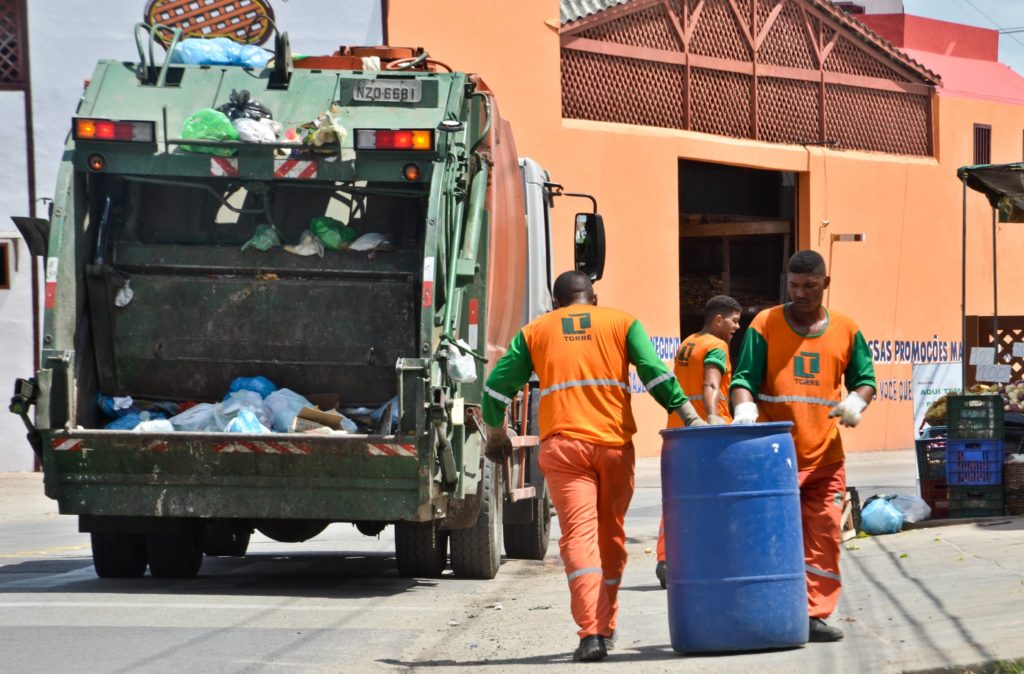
(881, 6)
(66, 39)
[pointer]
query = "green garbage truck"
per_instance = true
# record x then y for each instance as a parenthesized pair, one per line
(157, 291)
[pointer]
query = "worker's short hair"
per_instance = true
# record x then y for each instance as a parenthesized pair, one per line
(720, 305)
(806, 262)
(569, 284)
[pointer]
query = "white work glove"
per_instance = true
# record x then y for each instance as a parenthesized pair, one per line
(715, 420)
(849, 410)
(745, 413)
(689, 415)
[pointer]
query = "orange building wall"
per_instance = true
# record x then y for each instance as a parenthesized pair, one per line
(902, 283)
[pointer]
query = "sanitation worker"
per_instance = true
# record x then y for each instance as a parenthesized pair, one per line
(793, 361)
(581, 353)
(703, 370)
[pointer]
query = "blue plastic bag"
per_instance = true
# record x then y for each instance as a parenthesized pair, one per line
(880, 516)
(379, 412)
(114, 406)
(260, 385)
(245, 422)
(132, 419)
(219, 51)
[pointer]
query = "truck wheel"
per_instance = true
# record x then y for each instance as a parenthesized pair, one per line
(421, 549)
(226, 538)
(177, 555)
(119, 555)
(530, 540)
(476, 551)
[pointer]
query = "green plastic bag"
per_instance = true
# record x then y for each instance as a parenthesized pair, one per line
(264, 238)
(209, 124)
(335, 234)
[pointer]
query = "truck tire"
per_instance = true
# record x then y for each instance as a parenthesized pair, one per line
(476, 551)
(530, 540)
(226, 538)
(421, 549)
(177, 555)
(119, 555)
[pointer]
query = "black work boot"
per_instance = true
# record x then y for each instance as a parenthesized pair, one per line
(591, 649)
(662, 573)
(819, 631)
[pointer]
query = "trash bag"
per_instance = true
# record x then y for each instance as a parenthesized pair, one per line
(209, 124)
(379, 412)
(264, 238)
(155, 426)
(335, 234)
(245, 422)
(914, 508)
(880, 516)
(461, 366)
(235, 403)
(308, 244)
(241, 105)
(371, 241)
(114, 406)
(219, 51)
(285, 405)
(252, 131)
(259, 384)
(197, 419)
(129, 421)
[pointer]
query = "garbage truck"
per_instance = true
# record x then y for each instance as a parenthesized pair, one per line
(150, 297)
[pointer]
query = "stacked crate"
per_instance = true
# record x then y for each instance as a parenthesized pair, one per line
(974, 455)
(931, 471)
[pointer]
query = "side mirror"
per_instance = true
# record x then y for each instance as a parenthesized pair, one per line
(36, 232)
(589, 248)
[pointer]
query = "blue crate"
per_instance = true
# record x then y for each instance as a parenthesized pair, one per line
(974, 462)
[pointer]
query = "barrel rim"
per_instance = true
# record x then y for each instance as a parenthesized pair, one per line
(776, 425)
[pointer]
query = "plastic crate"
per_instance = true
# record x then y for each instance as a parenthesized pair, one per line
(967, 501)
(931, 458)
(936, 494)
(974, 462)
(975, 417)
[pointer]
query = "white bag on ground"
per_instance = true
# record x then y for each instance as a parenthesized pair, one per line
(914, 508)
(285, 405)
(198, 418)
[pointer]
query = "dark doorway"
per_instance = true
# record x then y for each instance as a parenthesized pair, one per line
(736, 231)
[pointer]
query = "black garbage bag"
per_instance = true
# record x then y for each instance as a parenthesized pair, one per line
(241, 105)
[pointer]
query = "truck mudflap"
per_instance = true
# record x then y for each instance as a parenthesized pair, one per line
(280, 475)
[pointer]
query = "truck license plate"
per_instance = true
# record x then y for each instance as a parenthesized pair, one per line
(399, 91)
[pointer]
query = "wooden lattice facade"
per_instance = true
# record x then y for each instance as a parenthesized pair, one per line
(785, 71)
(13, 52)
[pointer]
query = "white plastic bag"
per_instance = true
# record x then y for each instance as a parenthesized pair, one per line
(252, 131)
(371, 241)
(914, 508)
(230, 407)
(309, 244)
(461, 366)
(155, 426)
(198, 418)
(285, 404)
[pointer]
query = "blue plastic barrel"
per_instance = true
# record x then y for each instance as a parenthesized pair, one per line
(733, 538)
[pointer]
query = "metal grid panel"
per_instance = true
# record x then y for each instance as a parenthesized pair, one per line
(883, 121)
(788, 110)
(849, 59)
(718, 35)
(646, 28)
(720, 103)
(12, 67)
(787, 43)
(627, 91)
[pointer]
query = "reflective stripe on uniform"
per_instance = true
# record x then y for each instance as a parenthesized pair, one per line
(820, 572)
(699, 396)
(797, 399)
(583, 382)
(581, 572)
(657, 380)
(497, 396)
(612, 581)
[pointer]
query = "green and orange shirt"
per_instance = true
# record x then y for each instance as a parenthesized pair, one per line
(695, 354)
(581, 355)
(799, 378)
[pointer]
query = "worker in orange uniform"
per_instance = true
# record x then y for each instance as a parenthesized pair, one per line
(794, 359)
(703, 370)
(581, 353)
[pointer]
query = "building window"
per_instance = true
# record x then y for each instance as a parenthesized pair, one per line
(5, 265)
(982, 144)
(12, 44)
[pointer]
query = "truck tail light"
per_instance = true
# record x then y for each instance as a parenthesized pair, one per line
(395, 139)
(114, 130)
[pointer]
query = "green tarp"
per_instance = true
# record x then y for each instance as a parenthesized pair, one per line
(1002, 184)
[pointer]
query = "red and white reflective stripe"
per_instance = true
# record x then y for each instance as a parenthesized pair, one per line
(51, 283)
(392, 450)
(261, 447)
(294, 168)
(67, 445)
(157, 446)
(224, 166)
(428, 281)
(473, 333)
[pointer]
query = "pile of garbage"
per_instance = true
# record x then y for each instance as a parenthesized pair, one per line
(252, 405)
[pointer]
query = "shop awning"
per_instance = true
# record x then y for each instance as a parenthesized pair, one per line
(1002, 184)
